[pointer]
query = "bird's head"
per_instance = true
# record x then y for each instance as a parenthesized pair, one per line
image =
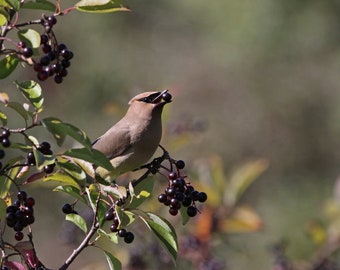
(153, 98)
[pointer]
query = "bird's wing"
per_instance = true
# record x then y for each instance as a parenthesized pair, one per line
(114, 142)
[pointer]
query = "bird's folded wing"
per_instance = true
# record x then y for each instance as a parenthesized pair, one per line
(114, 142)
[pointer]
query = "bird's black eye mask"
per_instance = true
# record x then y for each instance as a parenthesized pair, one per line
(153, 98)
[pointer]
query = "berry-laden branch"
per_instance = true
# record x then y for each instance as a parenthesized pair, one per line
(86, 241)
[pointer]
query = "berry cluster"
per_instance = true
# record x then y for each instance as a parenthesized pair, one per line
(111, 215)
(68, 209)
(4, 138)
(180, 193)
(20, 214)
(44, 148)
(56, 57)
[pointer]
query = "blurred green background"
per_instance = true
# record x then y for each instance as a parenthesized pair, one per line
(253, 79)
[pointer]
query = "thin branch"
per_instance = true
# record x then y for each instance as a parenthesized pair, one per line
(86, 241)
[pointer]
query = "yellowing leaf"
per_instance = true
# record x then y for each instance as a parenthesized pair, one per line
(243, 219)
(316, 232)
(63, 179)
(242, 178)
(8, 65)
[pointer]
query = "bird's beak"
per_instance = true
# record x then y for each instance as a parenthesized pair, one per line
(159, 98)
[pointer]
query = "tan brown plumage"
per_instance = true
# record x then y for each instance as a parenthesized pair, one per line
(132, 141)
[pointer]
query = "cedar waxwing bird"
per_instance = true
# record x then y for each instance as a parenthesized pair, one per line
(132, 141)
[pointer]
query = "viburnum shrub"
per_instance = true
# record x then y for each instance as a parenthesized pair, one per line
(33, 159)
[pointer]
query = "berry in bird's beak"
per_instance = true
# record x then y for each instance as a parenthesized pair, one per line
(166, 97)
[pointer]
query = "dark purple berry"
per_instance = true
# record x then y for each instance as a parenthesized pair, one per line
(122, 232)
(170, 191)
(46, 48)
(10, 219)
(11, 209)
(30, 220)
(192, 211)
(129, 237)
(63, 72)
(67, 208)
(167, 97)
(42, 75)
(22, 195)
(52, 55)
(38, 67)
(162, 198)
(186, 201)
(18, 227)
(172, 176)
(56, 67)
(179, 196)
(22, 44)
(49, 168)
(31, 158)
(30, 202)
(109, 215)
(58, 79)
(44, 39)
(173, 211)
(45, 60)
(10, 216)
(180, 164)
(52, 20)
(2, 154)
(62, 47)
(6, 142)
(194, 195)
(45, 148)
(114, 227)
(189, 190)
(19, 236)
(27, 52)
(175, 203)
(65, 53)
(65, 63)
(202, 197)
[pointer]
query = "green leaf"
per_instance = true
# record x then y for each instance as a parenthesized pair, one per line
(60, 130)
(72, 169)
(5, 185)
(125, 217)
(8, 65)
(116, 191)
(63, 179)
(30, 37)
(184, 215)
(114, 263)
(72, 191)
(164, 232)
(91, 155)
(78, 220)
(100, 6)
(113, 237)
(19, 108)
(42, 160)
(5, 182)
(3, 118)
(32, 91)
(242, 179)
(140, 192)
(3, 206)
(3, 20)
(14, 4)
(39, 4)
